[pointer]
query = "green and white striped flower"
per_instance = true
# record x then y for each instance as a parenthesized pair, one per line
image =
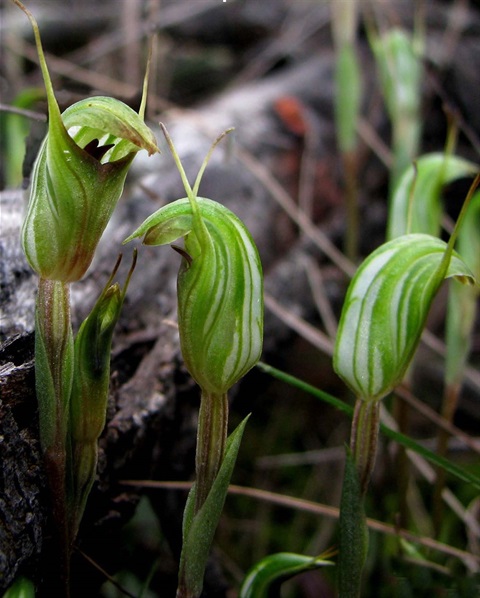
(220, 283)
(220, 289)
(385, 311)
(220, 321)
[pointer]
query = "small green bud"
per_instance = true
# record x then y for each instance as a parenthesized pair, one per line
(88, 401)
(78, 178)
(92, 362)
(220, 286)
(400, 71)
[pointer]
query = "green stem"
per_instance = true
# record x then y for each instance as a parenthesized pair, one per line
(363, 440)
(402, 416)
(211, 439)
(451, 397)
(53, 380)
(351, 197)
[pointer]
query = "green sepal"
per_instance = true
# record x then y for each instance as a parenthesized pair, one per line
(266, 575)
(385, 310)
(199, 529)
(220, 289)
(415, 205)
(353, 538)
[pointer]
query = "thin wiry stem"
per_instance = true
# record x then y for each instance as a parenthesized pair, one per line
(471, 560)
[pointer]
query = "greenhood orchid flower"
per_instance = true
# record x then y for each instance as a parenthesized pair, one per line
(78, 178)
(220, 288)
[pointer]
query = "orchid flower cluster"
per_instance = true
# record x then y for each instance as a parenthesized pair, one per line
(77, 180)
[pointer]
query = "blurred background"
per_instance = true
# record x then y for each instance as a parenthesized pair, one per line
(267, 68)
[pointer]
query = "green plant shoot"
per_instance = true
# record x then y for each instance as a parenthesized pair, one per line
(266, 576)
(77, 179)
(398, 59)
(91, 380)
(220, 321)
(383, 317)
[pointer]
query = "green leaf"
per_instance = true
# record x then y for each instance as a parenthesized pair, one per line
(89, 397)
(199, 529)
(421, 211)
(353, 544)
(265, 575)
(385, 310)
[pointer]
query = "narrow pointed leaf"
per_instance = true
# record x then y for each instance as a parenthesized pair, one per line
(385, 310)
(199, 529)
(89, 397)
(276, 568)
